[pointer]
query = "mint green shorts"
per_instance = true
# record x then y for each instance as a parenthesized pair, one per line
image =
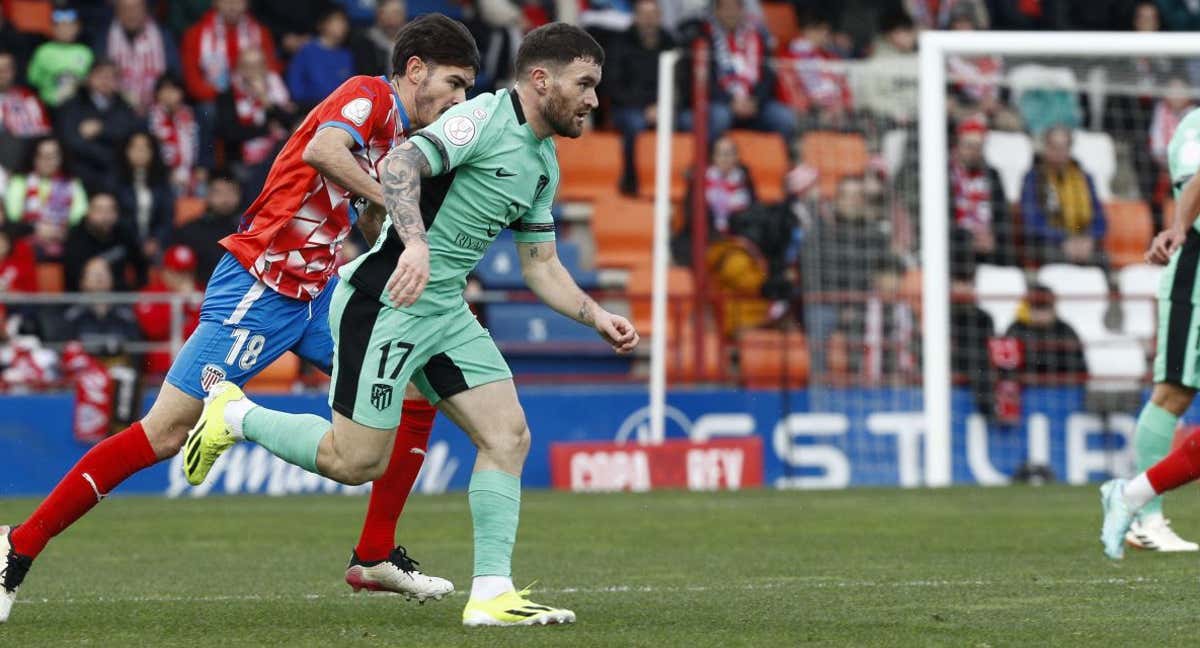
(378, 350)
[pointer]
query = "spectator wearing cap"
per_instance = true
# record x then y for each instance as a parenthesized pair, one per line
(102, 236)
(1052, 350)
(144, 194)
(220, 220)
(59, 66)
(141, 49)
(46, 198)
(178, 277)
(1063, 219)
(104, 329)
(93, 126)
(323, 64)
(213, 46)
(632, 83)
(174, 126)
(23, 118)
(977, 197)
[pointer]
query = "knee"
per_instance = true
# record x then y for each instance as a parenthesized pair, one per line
(510, 439)
(1173, 398)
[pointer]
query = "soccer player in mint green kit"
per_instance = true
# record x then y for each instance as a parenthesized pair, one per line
(398, 313)
(1176, 368)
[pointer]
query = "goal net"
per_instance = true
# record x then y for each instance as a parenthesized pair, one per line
(1042, 180)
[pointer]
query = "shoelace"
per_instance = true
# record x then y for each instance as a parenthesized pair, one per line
(14, 572)
(399, 558)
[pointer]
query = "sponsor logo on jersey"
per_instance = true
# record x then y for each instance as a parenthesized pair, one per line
(210, 375)
(480, 114)
(357, 111)
(459, 130)
(381, 396)
(469, 242)
(505, 173)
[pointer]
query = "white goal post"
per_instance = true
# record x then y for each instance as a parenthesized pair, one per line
(935, 47)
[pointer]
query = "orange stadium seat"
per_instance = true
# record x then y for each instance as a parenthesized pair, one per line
(780, 18)
(623, 229)
(771, 358)
(31, 16)
(682, 365)
(765, 154)
(835, 156)
(50, 277)
(680, 291)
(682, 152)
(188, 209)
(1129, 231)
(589, 166)
(278, 378)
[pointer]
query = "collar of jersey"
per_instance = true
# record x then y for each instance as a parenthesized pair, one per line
(399, 106)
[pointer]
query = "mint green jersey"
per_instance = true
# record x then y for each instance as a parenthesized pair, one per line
(1183, 151)
(489, 172)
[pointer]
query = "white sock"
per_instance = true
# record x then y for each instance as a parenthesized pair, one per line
(1137, 492)
(489, 587)
(235, 413)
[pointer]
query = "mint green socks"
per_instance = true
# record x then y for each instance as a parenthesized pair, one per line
(1152, 442)
(495, 499)
(291, 437)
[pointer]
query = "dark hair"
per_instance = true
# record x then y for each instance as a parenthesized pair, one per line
(436, 40)
(809, 17)
(893, 20)
(559, 44)
(103, 62)
(167, 79)
(31, 154)
(156, 174)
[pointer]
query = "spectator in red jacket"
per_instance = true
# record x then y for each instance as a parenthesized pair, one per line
(23, 118)
(154, 317)
(211, 47)
(17, 270)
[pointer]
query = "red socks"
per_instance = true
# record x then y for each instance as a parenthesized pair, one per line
(100, 470)
(390, 492)
(1179, 467)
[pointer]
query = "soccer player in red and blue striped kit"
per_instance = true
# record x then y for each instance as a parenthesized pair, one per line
(270, 294)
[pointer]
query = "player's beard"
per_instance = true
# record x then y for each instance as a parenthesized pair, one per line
(560, 116)
(427, 108)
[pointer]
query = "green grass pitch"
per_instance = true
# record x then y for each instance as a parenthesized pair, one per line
(960, 567)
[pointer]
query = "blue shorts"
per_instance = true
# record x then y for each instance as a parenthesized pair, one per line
(245, 326)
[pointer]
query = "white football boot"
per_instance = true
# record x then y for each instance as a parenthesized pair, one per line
(13, 568)
(399, 574)
(1154, 533)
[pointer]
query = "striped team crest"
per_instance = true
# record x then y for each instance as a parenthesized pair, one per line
(210, 375)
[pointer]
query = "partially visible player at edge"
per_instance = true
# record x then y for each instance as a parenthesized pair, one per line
(487, 164)
(271, 293)
(1133, 508)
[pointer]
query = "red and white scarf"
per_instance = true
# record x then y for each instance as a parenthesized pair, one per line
(978, 78)
(22, 114)
(972, 193)
(727, 194)
(176, 133)
(1162, 127)
(252, 111)
(141, 61)
(219, 49)
(805, 82)
(739, 57)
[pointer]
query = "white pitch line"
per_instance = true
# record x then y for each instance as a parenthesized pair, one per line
(809, 582)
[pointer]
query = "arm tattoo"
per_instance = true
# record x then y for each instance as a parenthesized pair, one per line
(401, 176)
(533, 251)
(587, 310)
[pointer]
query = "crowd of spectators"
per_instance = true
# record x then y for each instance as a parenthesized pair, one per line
(122, 108)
